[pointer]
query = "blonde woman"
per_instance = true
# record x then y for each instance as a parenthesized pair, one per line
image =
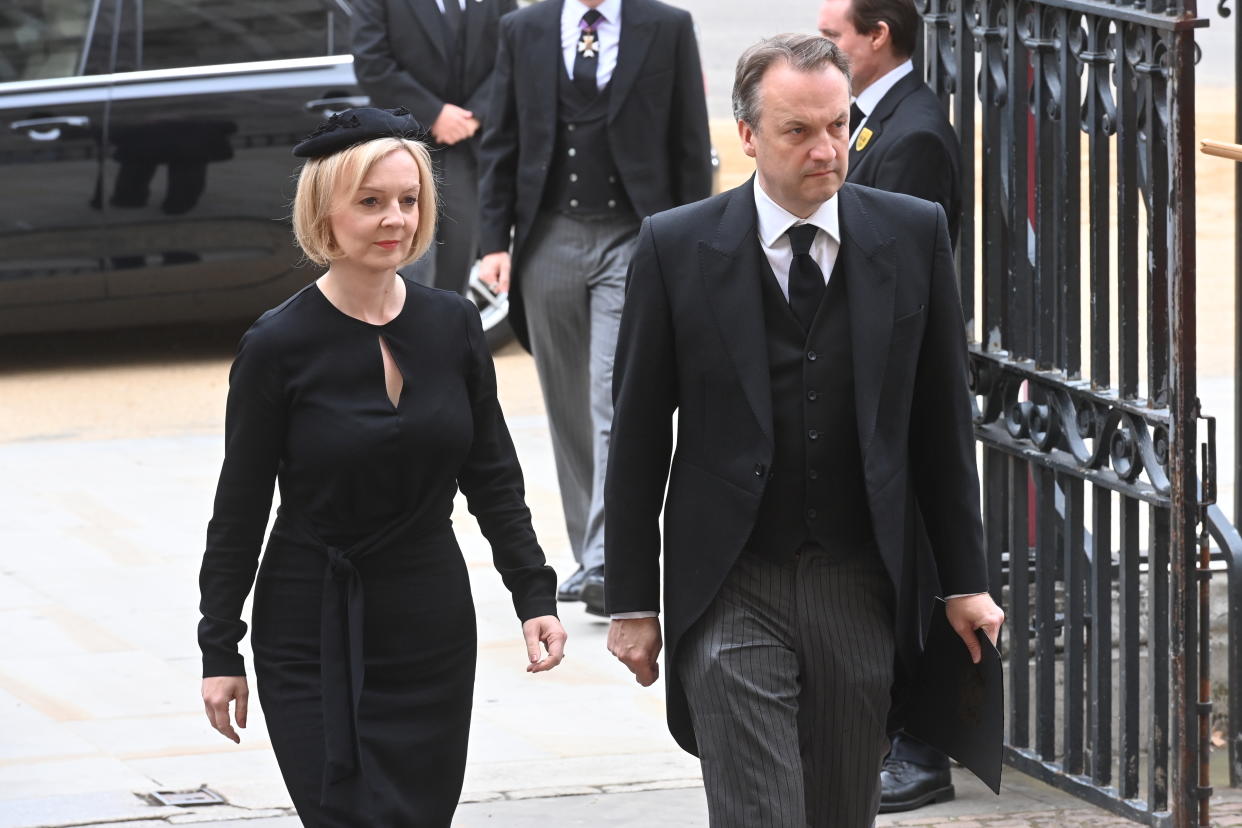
(370, 399)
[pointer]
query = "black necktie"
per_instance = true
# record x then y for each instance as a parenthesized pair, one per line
(856, 116)
(452, 18)
(806, 280)
(586, 60)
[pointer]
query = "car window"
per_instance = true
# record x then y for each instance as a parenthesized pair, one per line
(45, 39)
(178, 33)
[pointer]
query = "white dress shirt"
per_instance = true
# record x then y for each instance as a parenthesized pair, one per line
(607, 34)
(870, 97)
(775, 220)
(461, 3)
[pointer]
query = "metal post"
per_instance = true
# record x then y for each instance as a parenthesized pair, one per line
(1237, 269)
(1183, 409)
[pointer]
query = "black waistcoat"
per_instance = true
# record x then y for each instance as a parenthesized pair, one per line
(816, 491)
(583, 179)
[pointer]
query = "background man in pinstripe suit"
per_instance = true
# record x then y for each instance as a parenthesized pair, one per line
(809, 336)
(598, 119)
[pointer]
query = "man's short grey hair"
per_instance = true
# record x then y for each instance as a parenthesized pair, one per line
(803, 52)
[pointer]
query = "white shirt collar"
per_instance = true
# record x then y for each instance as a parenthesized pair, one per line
(774, 219)
(573, 10)
(870, 97)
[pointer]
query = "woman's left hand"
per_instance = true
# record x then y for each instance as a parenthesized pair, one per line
(545, 629)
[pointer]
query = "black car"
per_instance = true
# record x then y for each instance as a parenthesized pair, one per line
(145, 157)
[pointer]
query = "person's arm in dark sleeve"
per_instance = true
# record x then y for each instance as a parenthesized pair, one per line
(690, 143)
(481, 98)
(377, 69)
(644, 383)
(942, 440)
(491, 480)
(499, 153)
(254, 431)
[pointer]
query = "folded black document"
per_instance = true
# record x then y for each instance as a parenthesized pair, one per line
(959, 706)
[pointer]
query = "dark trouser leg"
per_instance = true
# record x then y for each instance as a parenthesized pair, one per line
(573, 287)
(846, 643)
(607, 286)
(788, 675)
(906, 748)
(458, 234)
(740, 672)
(447, 264)
(556, 299)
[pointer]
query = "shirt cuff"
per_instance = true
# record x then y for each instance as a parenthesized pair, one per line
(627, 616)
(964, 595)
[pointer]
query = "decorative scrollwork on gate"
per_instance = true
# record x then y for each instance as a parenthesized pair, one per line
(1073, 428)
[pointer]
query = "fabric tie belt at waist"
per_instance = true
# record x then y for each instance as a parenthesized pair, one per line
(342, 666)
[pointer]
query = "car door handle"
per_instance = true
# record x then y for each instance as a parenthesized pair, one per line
(49, 129)
(327, 107)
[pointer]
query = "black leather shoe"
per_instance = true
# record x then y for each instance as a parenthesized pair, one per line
(571, 588)
(593, 591)
(905, 786)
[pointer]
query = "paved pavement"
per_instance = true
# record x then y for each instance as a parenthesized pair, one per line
(106, 478)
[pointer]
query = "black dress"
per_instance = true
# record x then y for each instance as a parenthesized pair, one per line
(364, 634)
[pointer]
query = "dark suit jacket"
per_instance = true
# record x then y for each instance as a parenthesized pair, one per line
(913, 149)
(400, 60)
(692, 340)
(657, 121)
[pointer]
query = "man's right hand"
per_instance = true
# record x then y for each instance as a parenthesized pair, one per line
(636, 642)
(453, 124)
(494, 271)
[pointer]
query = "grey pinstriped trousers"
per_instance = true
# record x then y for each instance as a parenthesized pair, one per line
(788, 675)
(573, 287)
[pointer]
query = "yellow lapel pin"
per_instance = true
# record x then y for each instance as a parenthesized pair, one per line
(864, 138)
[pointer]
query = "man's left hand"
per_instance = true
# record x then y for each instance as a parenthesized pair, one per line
(975, 612)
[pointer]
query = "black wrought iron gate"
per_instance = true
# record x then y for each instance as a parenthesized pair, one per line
(1077, 120)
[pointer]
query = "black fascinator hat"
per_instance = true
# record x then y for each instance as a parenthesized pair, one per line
(354, 126)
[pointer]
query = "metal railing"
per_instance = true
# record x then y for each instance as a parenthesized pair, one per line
(1087, 409)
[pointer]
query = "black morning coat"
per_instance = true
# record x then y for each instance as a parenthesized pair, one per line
(657, 121)
(692, 341)
(400, 56)
(911, 149)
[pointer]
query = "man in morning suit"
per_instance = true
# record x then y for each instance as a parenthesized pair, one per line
(809, 335)
(435, 58)
(598, 119)
(900, 140)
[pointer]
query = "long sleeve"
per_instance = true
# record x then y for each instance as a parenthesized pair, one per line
(499, 153)
(491, 479)
(644, 397)
(942, 441)
(690, 149)
(254, 435)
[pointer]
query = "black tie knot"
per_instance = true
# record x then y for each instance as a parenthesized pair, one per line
(592, 17)
(800, 238)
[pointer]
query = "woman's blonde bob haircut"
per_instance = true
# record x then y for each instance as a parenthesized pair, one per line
(324, 182)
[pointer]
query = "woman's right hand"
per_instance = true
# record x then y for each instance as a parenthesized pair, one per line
(218, 691)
